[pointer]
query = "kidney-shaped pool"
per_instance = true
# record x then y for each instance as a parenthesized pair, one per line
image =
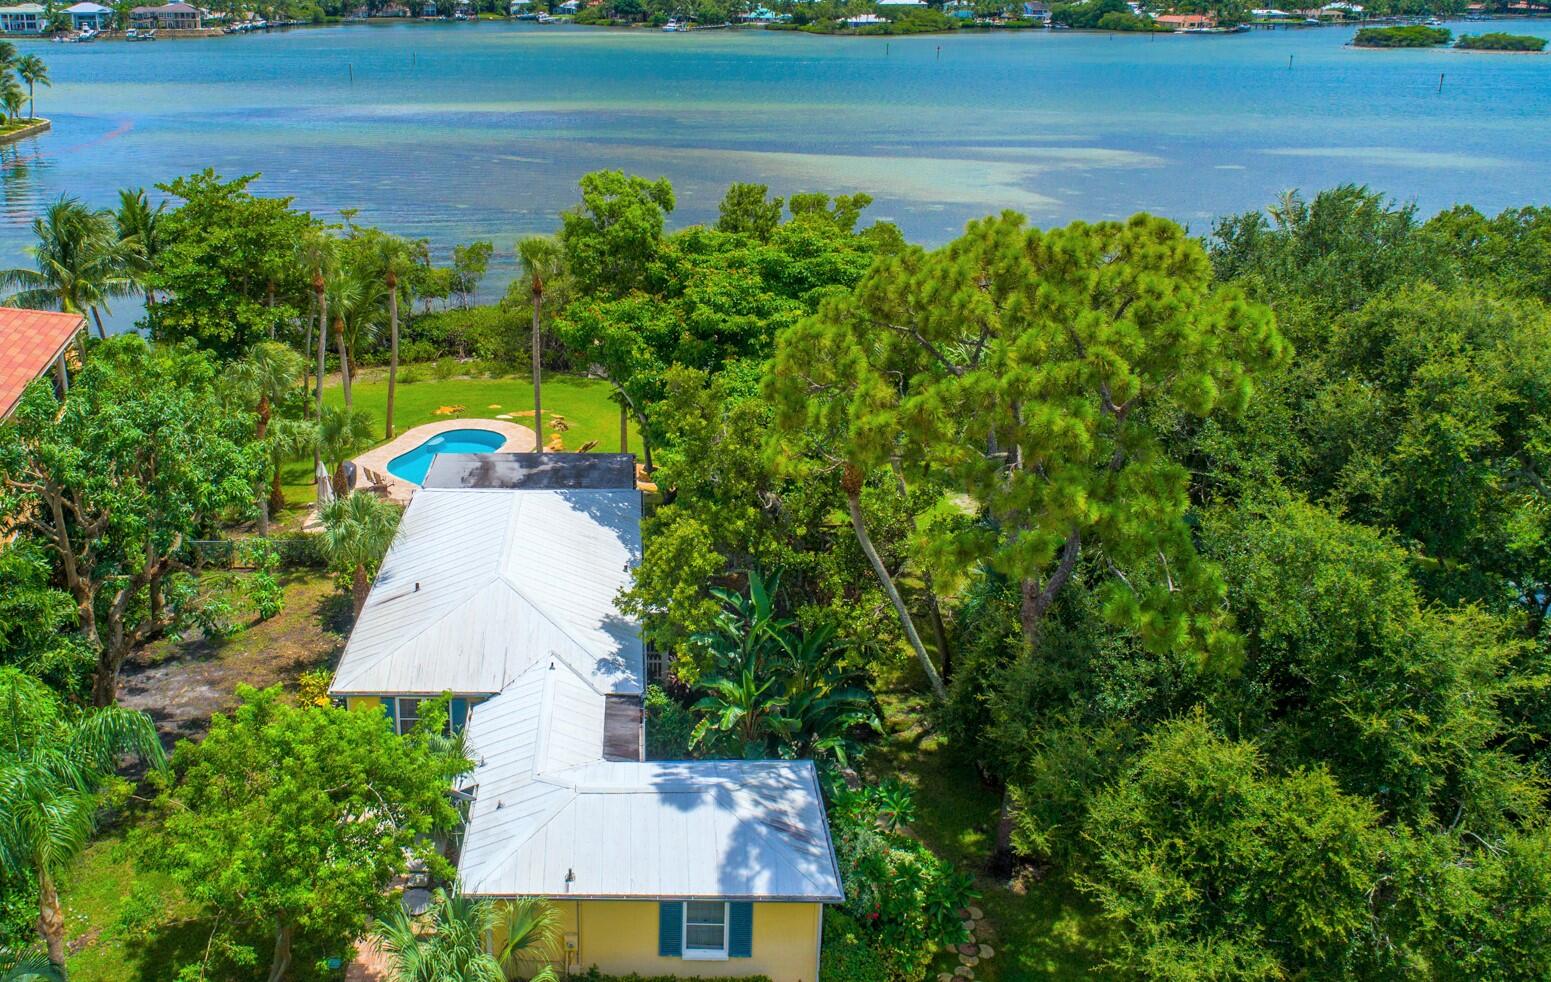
(412, 465)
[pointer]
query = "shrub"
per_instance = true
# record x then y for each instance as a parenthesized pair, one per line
(445, 368)
(668, 726)
(905, 900)
(847, 956)
(312, 688)
(139, 914)
(593, 975)
(410, 374)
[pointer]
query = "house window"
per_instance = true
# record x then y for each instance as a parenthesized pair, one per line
(408, 713)
(705, 929)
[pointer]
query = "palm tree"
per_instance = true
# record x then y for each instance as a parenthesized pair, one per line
(357, 530)
(12, 97)
(396, 259)
(34, 72)
(7, 55)
(80, 263)
(52, 763)
(140, 238)
(355, 299)
(540, 258)
(342, 433)
(266, 375)
(26, 966)
(451, 944)
(288, 439)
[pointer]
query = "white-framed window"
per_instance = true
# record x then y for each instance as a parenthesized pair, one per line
(408, 713)
(705, 929)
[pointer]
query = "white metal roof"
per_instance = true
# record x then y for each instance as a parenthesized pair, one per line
(480, 585)
(552, 818)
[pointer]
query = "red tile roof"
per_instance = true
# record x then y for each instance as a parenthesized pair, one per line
(30, 340)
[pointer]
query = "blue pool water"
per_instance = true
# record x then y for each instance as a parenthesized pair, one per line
(412, 466)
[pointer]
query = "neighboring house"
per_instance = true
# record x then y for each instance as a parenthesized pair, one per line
(1187, 22)
(901, 3)
(519, 7)
(92, 15)
(500, 587)
(32, 342)
(1036, 10)
(863, 20)
(24, 18)
(167, 17)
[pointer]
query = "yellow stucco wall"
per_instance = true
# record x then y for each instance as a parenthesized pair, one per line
(356, 702)
(620, 937)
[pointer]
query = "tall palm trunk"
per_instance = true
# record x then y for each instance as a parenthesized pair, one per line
(51, 921)
(851, 483)
(323, 339)
(538, 381)
(344, 356)
(359, 588)
(393, 345)
(32, 109)
(102, 332)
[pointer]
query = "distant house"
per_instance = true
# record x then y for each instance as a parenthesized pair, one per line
(92, 15)
(863, 20)
(500, 589)
(519, 7)
(24, 18)
(1036, 10)
(1187, 22)
(901, 3)
(760, 15)
(33, 342)
(168, 17)
(394, 10)
(568, 7)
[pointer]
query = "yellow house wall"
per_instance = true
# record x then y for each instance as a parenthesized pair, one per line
(620, 937)
(355, 702)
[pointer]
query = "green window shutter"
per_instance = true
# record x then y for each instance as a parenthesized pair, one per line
(670, 929)
(458, 713)
(390, 706)
(740, 929)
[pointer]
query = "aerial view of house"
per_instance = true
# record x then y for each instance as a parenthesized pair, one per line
(500, 588)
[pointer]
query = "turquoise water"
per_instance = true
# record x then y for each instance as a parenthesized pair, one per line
(456, 131)
(413, 465)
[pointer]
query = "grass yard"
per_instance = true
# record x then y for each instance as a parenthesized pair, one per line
(584, 404)
(1043, 928)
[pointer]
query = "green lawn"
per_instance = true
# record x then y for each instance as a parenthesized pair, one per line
(584, 404)
(1043, 928)
(125, 924)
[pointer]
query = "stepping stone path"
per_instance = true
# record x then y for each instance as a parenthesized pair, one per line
(972, 952)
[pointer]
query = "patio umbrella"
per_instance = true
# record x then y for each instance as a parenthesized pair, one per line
(325, 486)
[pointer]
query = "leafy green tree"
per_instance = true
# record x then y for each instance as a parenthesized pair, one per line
(141, 457)
(745, 210)
(1347, 667)
(469, 264)
(53, 764)
(1024, 369)
(452, 942)
(37, 620)
(12, 98)
(1257, 876)
(79, 267)
(357, 530)
(228, 271)
(616, 232)
(33, 73)
(296, 819)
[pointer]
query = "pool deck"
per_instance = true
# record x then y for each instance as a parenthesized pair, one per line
(518, 439)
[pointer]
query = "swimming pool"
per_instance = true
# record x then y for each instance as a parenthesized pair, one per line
(412, 465)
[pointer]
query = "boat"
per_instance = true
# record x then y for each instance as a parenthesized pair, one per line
(1434, 22)
(673, 25)
(80, 37)
(136, 34)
